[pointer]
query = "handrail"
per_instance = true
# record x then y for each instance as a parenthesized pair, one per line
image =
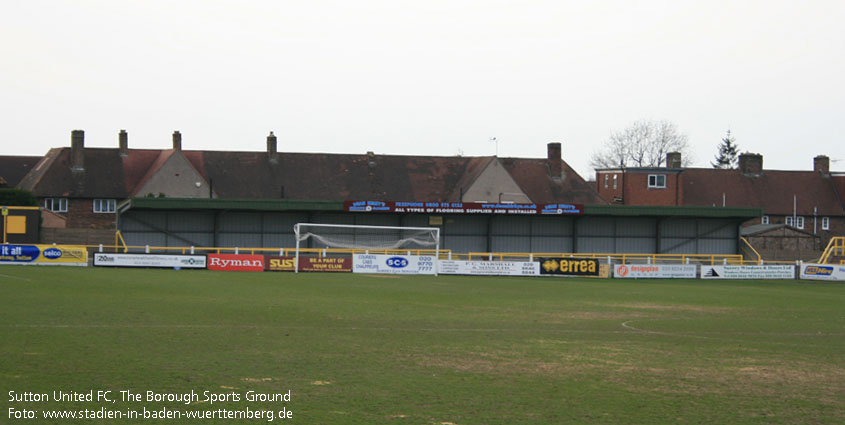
(834, 247)
(751, 247)
(119, 237)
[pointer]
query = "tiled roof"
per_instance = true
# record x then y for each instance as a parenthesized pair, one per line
(103, 175)
(532, 176)
(773, 190)
(14, 168)
(303, 176)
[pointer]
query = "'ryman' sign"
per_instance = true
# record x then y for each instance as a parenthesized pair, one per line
(462, 208)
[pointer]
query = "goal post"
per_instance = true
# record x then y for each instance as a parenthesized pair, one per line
(367, 238)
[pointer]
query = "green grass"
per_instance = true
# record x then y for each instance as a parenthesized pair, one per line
(359, 349)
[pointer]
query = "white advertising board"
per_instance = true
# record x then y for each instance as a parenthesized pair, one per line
(490, 268)
(392, 264)
(748, 272)
(149, 260)
(655, 271)
(823, 271)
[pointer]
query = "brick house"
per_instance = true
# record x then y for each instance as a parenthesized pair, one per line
(810, 201)
(83, 187)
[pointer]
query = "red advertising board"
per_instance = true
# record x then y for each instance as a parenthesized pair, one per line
(310, 264)
(236, 262)
(325, 264)
(463, 208)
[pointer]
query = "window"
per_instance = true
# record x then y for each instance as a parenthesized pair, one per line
(56, 204)
(104, 205)
(799, 222)
(789, 221)
(765, 219)
(657, 181)
(825, 223)
(614, 180)
(606, 178)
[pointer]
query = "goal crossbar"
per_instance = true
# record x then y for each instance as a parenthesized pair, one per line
(299, 236)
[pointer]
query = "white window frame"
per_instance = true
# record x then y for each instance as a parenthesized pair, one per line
(615, 179)
(825, 223)
(788, 221)
(656, 184)
(765, 220)
(799, 222)
(606, 180)
(110, 206)
(56, 204)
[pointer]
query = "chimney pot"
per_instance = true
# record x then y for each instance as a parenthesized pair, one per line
(177, 141)
(77, 150)
(272, 144)
(821, 164)
(123, 143)
(554, 160)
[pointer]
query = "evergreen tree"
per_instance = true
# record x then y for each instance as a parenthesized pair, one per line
(728, 155)
(17, 197)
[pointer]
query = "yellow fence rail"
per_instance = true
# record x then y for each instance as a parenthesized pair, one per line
(836, 247)
(444, 254)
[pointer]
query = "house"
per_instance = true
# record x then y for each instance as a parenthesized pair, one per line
(810, 201)
(84, 187)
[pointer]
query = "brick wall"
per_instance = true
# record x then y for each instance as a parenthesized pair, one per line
(637, 191)
(80, 215)
(610, 193)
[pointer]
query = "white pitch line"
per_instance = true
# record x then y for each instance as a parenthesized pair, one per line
(15, 277)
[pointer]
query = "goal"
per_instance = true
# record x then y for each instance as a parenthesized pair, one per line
(367, 238)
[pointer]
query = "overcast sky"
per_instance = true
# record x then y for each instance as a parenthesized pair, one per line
(425, 77)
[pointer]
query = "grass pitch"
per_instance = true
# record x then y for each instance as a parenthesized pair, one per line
(357, 349)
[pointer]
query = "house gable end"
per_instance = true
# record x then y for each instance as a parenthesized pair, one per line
(176, 177)
(493, 184)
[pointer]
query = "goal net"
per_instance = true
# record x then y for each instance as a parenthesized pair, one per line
(348, 236)
(368, 238)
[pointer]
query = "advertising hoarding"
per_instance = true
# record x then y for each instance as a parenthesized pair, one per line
(655, 271)
(236, 262)
(44, 255)
(393, 264)
(462, 208)
(569, 266)
(310, 264)
(748, 272)
(490, 268)
(823, 271)
(102, 259)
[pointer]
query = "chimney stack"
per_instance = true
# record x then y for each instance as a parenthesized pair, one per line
(177, 141)
(554, 160)
(77, 150)
(821, 164)
(751, 164)
(123, 143)
(272, 144)
(673, 160)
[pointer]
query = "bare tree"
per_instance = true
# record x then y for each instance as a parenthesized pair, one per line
(644, 143)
